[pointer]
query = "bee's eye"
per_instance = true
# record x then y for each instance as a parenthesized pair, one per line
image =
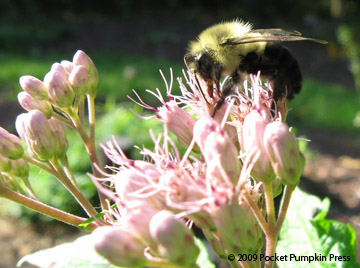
(205, 66)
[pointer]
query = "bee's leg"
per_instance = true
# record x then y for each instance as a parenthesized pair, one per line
(230, 84)
(210, 88)
(217, 75)
(228, 87)
(200, 89)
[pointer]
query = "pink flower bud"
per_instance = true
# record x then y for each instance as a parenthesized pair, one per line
(253, 144)
(178, 121)
(5, 164)
(58, 131)
(219, 151)
(59, 68)
(119, 247)
(277, 187)
(34, 87)
(78, 78)
(203, 220)
(20, 168)
(68, 65)
(283, 150)
(253, 130)
(34, 128)
(21, 126)
(10, 182)
(59, 87)
(28, 103)
(237, 227)
(80, 58)
(229, 129)
(137, 219)
(175, 240)
(138, 179)
(10, 145)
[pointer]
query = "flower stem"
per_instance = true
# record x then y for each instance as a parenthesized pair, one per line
(251, 264)
(257, 213)
(236, 264)
(93, 156)
(89, 142)
(78, 195)
(81, 109)
(39, 165)
(43, 208)
(271, 237)
(162, 264)
(63, 120)
(29, 188)
(68, 172)
(284, 207)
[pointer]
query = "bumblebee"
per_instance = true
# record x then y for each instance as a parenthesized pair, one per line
(234, 49)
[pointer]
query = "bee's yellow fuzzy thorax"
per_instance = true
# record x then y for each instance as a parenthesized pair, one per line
(228, 56)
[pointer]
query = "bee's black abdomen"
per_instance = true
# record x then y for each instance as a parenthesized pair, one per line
(279, 66)
(288, 79)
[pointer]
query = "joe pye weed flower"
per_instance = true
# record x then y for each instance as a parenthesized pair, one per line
(238, 157)
(239, 153)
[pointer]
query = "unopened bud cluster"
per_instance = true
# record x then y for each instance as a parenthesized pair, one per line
(14, 170)
(60, 86)
(40, 127)
(238, 147)
(49, 103)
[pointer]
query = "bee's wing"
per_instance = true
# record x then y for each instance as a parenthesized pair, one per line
(279, 32)
(269, 35)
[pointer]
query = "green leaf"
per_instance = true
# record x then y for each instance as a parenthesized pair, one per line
(307, 234)
(203, 260)
(78, 254)
(85, 225)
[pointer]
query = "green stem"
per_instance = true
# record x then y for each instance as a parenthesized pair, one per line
(257, 263)
(284, 207)
(91, 111)
(93, 156)
(215, 244)
(67, 170)
(271, 235)
(14, 183)
(78, 126)
(89, 142)
(78, 195)
(29, 188)
(257, 212)
(40, 165)
(236, 264)
(251, 264)
(63, 120)
(81, 109)
(43, 208)
(163, 263)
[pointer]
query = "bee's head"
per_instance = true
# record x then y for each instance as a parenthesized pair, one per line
(203, 64)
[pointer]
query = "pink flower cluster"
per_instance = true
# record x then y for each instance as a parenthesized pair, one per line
(234, 147)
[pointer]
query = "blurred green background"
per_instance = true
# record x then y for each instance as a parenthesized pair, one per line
(129, 41)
